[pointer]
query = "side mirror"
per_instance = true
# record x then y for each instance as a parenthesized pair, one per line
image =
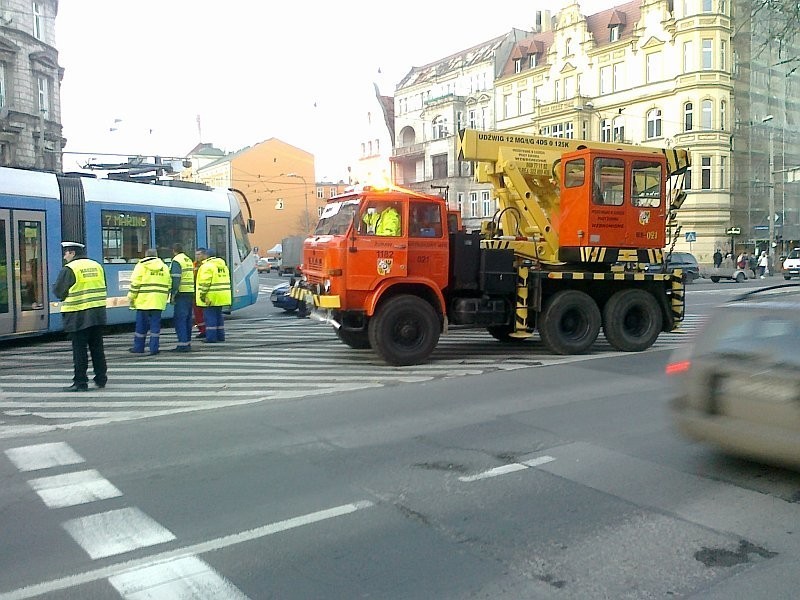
(251, 225)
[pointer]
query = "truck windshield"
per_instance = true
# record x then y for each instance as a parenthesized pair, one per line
(337, 217)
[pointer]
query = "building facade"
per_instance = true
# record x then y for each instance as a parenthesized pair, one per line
(30, 85)
(276, 178)
(376, 135)
(431, 104)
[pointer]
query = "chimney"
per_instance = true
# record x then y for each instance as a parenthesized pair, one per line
(542, 21)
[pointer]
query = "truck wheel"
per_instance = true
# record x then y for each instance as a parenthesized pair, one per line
(740, 277)
(358, 340)
(632, 320)
(715, 279)
(404, 330)
(502, 333)
(570, 322)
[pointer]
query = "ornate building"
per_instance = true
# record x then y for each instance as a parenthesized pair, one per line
(30, 85)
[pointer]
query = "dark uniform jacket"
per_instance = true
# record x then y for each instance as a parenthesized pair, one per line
(81, 319)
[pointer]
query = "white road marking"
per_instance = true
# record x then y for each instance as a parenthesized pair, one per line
(43, 456)
(504, 469)
(116, 531)
(185, 578)
(219, 543)
(72, 489)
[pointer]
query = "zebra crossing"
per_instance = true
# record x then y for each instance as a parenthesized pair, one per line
(275, 358)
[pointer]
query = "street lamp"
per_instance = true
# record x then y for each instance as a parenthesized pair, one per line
(771, 250)
(305, 197)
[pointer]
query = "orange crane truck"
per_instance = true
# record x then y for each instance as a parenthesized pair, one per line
(564, 254)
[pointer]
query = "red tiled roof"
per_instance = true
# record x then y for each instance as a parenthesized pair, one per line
(624, 15)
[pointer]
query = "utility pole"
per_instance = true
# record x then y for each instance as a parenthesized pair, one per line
(771, 249)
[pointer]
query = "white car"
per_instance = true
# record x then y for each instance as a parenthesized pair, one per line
(791, 266)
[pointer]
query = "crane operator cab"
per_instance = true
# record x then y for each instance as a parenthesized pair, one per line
(611, 200)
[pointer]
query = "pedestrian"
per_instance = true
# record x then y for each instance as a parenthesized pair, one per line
(763, 265)
(150, 283)
(81, 287)
(197, 311)
(182, 297)
(717, 259)
(213, 293)
(752, 263)
(741, 261)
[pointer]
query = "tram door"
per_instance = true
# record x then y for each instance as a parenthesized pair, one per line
(219, 239)
(23, 291)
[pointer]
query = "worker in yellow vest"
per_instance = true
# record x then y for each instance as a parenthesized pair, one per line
(150, 283)
(81, 287)
(182, 297)
(213, 293)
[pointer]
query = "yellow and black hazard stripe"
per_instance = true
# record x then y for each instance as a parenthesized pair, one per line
(616, 276)
(678, 297)
(497, 244)
(604, 254)
(678, 160)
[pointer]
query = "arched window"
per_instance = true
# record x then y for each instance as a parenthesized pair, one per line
(568, 47)
(688, 113)
(654, 123)
(440, 128)
(705, 114)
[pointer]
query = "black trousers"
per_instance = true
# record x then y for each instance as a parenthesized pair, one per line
(91, 338)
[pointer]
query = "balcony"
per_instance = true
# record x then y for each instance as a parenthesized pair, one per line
(412, 151)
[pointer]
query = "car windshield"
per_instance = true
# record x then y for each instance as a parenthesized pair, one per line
(794, 253)
(337, 217)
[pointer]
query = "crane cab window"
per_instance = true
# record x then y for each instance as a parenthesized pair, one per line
(646, 184)
(382, 218)
(608, 181)
(425, 220)
(575, 173)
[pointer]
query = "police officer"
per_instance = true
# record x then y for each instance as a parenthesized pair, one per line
(81, 287)
(182, 297)
(150, 283)
(213, 292)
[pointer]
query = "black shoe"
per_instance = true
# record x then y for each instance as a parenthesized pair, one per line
(153, 353)
(75, 387)
(134, 351)
(99, 385)
(201, 336)
(181, 349)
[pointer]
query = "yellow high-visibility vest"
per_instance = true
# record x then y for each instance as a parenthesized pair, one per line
(89, 289)
(187, 272)
(213, 283)
(150, 285)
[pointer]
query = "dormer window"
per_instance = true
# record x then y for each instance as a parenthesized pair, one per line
(533, 61)
(615, 25)
(517, 65)
(613, 33)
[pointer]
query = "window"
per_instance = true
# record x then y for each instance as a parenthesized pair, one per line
(646, 184)
(607, 184)
(687, 180)
(473, 204)
(605, 130)
(687, 116)
(37, 21)
(2, 85)
(705, 173)
(707, 49)
(558, 130)
(439, 127)
(508, 106)
(605, 80)
(723, 7)
(569, 88)
(575, 173)
(556, 90)
(44, 97)
(486, 201)
(484, 114)
(569, 130)
(517, 65)
(320, 193)
(331, 192)
(126, 235)
(459, 120)
(524, 102)
(723, 117)
(568, 47)
(439, 163)
(707, 6)
(532, 61)
(654, 123)
(619, 129)
(544, 130)
(619, 76)
(460, 203)
(723, 50)
(537, 94)
(240, 236)
(723, 183)
(687, 57)
(425, 220)
(472, 119)
(613, 33)
(653, 67)
(380, 218)
(175, 228)
(705, 114)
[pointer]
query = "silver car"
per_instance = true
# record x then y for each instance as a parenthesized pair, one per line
(739, 384)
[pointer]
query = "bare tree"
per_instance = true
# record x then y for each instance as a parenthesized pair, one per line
(780, 22)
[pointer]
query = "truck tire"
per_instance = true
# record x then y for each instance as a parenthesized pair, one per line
(404, 330)
(502, 333)
(357, 340)
(714, 279)
(569, 322)
(632, 320)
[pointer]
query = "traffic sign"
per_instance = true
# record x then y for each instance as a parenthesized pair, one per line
(761, 227)
(691, 236)
(733, 231)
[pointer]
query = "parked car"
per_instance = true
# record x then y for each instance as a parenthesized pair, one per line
(263, 265)
(678, 260)
(280, 298)
(275, 263)
(791, 265)
(738, 383)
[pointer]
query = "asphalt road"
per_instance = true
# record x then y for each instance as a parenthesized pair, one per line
(483, 475)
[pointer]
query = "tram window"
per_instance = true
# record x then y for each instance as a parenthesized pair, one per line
(646, 184)
(175, 228)
(240, 235)
(608, 180)
(3, 269)
(30, 265)
(126, 236)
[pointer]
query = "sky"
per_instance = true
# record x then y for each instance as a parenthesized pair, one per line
(138, 74)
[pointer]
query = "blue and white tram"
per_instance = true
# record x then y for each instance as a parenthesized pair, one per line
(117, 221)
